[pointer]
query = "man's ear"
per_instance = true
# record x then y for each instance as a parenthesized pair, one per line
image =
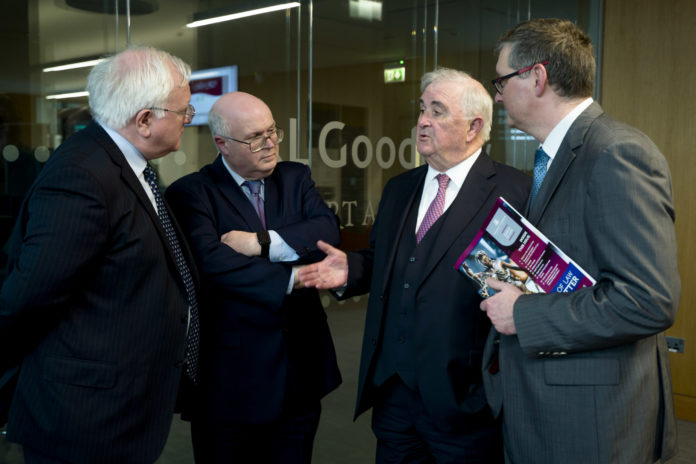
(475, 128)
(143, 121)
(219, 143)
(541, 79)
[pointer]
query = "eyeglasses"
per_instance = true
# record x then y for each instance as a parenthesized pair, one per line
(188, 114)
(499, 83)
(257, 143)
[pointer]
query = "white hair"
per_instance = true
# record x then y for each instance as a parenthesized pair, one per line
(476, 101)
(136, 78)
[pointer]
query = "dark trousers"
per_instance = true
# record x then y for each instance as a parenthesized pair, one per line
(406, 434)
(288, 440)
(33, 456)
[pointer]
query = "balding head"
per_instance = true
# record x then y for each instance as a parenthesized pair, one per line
(241, 116)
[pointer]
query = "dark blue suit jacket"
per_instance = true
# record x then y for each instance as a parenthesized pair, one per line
(450, 329)
(94, 297)
(258, 344)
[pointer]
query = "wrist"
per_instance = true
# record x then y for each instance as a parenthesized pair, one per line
(264, 240)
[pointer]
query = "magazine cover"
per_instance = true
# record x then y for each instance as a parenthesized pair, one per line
(510, 249)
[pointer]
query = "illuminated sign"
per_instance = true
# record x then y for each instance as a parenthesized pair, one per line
(395, 75)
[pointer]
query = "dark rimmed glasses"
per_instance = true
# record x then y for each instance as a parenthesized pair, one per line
(257, 143)
(188, 114)
(499, 82)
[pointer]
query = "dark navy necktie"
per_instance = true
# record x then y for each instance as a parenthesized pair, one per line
(541, 161)
(254, 187)
(193, 331)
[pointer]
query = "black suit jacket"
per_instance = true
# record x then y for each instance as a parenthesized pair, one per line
(450, 329)
(94, 301)
(260, 347)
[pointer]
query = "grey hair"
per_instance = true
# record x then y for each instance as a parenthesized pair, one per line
(136, 78)
(476, 101)
(217, 124)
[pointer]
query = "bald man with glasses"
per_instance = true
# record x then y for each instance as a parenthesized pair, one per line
(267, 357)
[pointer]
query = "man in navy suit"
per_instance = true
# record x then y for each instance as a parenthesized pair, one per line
(421, 360)
(96, 305)
(267, 357)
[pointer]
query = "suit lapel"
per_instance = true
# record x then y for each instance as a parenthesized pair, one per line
(234, 196)
(131, 181)
(128, 177)
(564, 158)
(471, 198)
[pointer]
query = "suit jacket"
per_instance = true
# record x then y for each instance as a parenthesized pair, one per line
(450, 329)
(586, 379)
(95, 305)
(260, 347)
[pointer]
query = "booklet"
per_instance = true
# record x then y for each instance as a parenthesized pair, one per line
(509, 248)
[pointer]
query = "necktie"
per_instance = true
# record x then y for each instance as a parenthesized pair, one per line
(436, 207)
(193, 333)
(541, 160)
(255, 189)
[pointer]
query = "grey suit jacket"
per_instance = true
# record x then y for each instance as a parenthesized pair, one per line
(586, 379)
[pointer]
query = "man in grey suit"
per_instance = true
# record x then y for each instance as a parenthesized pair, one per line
(583, 377)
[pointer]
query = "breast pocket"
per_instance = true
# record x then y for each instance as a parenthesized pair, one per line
(80, 372)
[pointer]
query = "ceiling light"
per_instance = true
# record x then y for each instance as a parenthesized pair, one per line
(81, 64)
(243, 14)
(61, 96)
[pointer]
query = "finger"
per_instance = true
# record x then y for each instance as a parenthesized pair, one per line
(495, 284)
(325, 247)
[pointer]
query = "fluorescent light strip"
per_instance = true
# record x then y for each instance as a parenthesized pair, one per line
(81, 64)
(60, 96)
(243, 14)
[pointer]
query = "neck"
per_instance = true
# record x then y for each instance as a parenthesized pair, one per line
(551, 114)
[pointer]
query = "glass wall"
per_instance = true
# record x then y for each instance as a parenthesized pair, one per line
(341, 76)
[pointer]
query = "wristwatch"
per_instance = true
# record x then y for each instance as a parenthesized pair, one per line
(265, 242)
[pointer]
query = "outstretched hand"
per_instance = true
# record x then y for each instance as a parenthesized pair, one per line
(499, 307)
(331, 272)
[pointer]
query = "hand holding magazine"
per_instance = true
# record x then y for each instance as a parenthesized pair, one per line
(510, 249)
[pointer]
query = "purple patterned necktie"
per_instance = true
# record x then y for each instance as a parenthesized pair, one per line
(256, 200)
(436, 207)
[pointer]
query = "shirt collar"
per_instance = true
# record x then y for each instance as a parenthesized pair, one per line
(457, 173)
(237, 178)
(556, 136)
(135, 159)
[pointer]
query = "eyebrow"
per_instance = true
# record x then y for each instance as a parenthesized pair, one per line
(435, 103)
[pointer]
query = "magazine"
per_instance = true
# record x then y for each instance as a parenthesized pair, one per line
(510, 249)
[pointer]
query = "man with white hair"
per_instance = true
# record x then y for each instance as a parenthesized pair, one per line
(100, 301)
(421, 359)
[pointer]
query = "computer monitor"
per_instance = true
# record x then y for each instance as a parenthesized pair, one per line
(207, 85)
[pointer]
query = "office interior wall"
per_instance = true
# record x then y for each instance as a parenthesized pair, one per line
(648, 77)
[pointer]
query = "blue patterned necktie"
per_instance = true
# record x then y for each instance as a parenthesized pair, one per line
(435, 209)
(254, 187)
(193, 331)
(541, 160)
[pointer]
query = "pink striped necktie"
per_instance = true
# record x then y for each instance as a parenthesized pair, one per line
(436, 207)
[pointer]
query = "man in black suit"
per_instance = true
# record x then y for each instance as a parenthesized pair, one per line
(99, 296)
(267, 357)
(424, 334)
